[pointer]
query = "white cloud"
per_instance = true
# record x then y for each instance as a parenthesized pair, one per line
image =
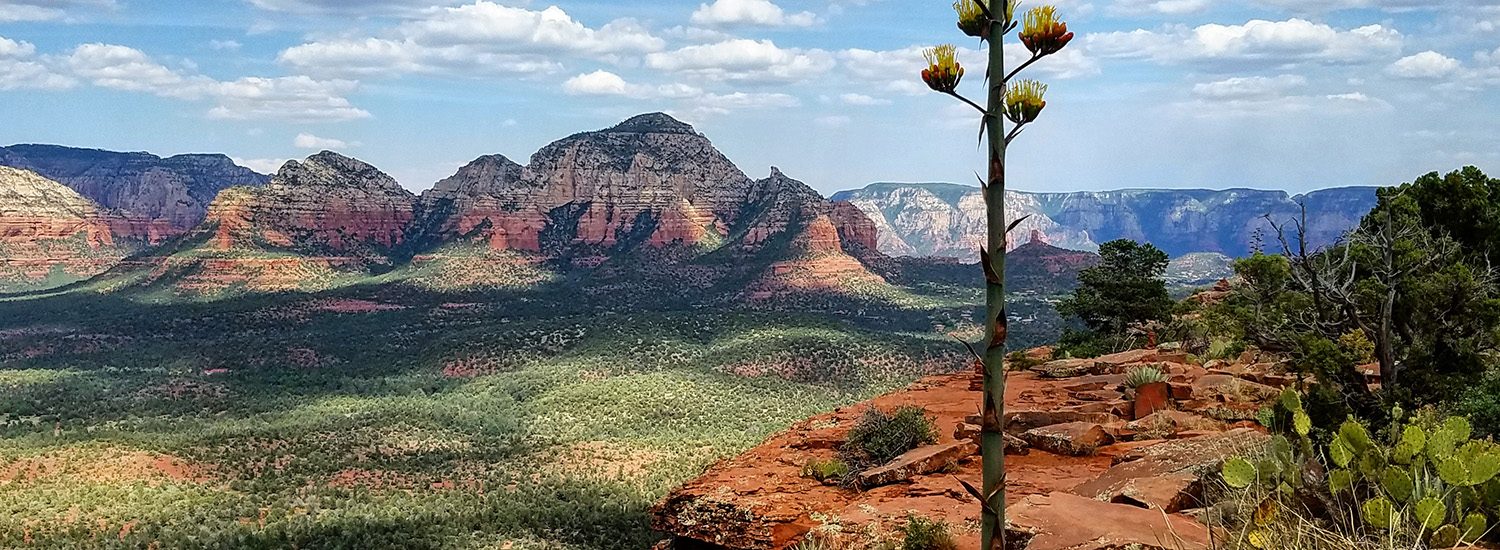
(718, 104)
(20, 70)
(299, 98)
(862, 100)
(743, 60)
(361, 7)
(225, 45)
(1164, 7)
(296, 98)
(47, 10)
(264, 166)
(750, 12)
(1425, 65)
(309, 141)
(482, 37)
(1247, 88)
(1279, 42)
(605, 83)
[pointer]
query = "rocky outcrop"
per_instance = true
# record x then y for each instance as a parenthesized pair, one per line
(927, 219)
(48, 231)
(319, 223)
(1088, 481)
(159, 197)
(327, 203)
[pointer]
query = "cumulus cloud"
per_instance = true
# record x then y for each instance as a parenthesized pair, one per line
(361, 7)
(309, 141)
(48, 10)
(1245, 88)
(264, 166)
(1163, 7)
(1425, 65)
(862, 100)
(1279, 42)
(298, 98)
(743, 60)
(483, 37)
(20, 69)
(750, 12)
(605, 83)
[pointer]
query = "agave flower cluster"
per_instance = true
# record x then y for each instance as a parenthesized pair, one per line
(943, 72)
(1043, 33)
(1024, 101)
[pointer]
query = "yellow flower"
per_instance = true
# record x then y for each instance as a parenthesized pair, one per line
(971, 18)
(1043, 33)
(1024, 101)
(943, 72)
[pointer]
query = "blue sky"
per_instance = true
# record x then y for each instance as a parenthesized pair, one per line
(1285, 94)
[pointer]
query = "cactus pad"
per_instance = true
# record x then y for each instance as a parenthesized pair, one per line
(1239, 473)
(1444, 537)
(1432, 513)
(1397, 483)
(1379, 512)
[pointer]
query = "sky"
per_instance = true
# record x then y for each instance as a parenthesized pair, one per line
(1274, 94)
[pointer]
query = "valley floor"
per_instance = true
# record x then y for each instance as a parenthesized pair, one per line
(377, 418)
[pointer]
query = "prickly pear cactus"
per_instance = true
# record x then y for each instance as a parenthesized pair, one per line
(1431, 513)
(1473, 526)
(1239, 473)
(1445, 537)
(1397, 483)
(1380, 513)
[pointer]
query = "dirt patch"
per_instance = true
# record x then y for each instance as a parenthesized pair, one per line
(602, 458)
(107, 466)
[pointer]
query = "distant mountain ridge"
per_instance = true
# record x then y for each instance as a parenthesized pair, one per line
(163, 197)
(649, 199)
(942, 219)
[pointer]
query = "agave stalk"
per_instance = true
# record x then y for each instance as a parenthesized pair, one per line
(1044, 34)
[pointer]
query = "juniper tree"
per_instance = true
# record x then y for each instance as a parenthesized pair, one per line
(1010, 105)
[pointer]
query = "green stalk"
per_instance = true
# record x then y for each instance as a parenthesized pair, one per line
(992, 437)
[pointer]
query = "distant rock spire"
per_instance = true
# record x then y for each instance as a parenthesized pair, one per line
(1037, 237)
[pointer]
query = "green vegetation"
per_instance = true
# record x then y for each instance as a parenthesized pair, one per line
(392, 416)
(834, 470)
(879, 436)
(1141, 376)
(1411, 293)
(1126, 289)
(921, 533)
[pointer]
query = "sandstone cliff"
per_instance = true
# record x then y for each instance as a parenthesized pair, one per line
(319, 223)
(50, 234)
(948, 220)
(153, 197)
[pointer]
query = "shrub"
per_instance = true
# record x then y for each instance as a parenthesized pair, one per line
(926, 534)
(1140, 376)
(1481, 403)
(1423, 482)
(1226, 350)
(877, 437)
(826, 470)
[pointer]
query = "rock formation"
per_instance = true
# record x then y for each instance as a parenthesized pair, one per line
(1092, 479)
(927, 219)
(158, 197)
(48, 231)
(327, 203)
(319, 222)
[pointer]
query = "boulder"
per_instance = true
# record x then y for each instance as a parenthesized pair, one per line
(1072, 438)
(1065, 368)
(1229, 388)
(1063, 521)
(1169, 476)
(916, 462)
(1022, 421)
(1128, 357)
